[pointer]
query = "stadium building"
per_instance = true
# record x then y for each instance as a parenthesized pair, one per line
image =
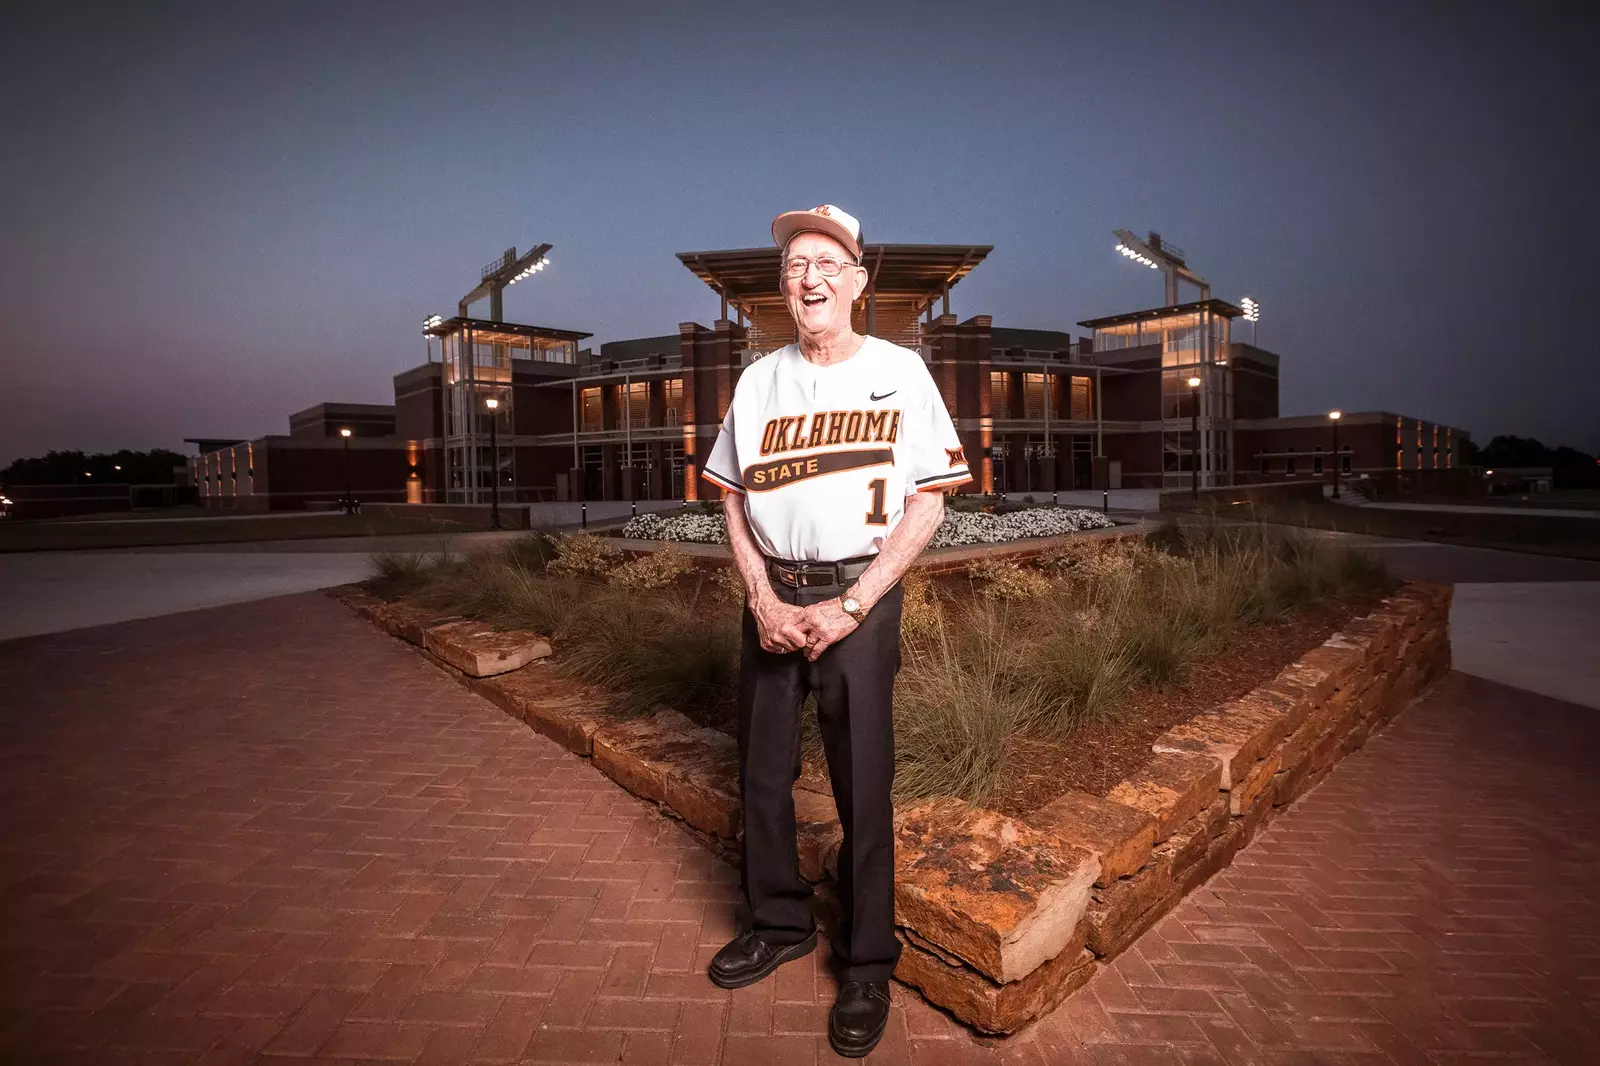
(1155, 398)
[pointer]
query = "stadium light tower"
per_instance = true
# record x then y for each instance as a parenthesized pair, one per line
(1252, 315)
(501, 274)
(1156, 254)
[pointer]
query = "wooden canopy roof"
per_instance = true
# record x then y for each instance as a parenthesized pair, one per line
(1216, 307)
(904, 280)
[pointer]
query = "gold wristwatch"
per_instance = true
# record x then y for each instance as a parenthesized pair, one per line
(853, 608)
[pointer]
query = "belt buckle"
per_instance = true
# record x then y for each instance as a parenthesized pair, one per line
(826, 573)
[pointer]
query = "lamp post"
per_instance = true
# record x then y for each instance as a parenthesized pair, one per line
(348, 507)
(1334, 416)
(1194, 438)
(494, 446)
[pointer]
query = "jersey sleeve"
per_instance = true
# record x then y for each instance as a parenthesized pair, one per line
(937, 460)
(722, 467)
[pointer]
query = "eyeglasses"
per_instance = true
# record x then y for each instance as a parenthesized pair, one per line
(827, 266)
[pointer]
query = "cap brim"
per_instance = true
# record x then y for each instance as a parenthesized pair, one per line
(786, 225)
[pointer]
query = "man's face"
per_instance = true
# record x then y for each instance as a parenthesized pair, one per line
(820, 304)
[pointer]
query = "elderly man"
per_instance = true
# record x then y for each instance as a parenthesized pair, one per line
(834, 455)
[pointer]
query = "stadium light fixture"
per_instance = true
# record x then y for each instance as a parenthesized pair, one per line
(1252, 315)
(1168, 258)
(1138, 257)
(531, 269)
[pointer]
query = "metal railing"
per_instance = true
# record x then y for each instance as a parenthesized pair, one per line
(1037, 355)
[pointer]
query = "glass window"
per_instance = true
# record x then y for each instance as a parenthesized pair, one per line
(998, 407)
(593, 412)
(1033, 395)
(672, 402)
(635, 401)
(1082, 400)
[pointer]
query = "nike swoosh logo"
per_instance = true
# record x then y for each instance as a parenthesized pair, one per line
(885, 396)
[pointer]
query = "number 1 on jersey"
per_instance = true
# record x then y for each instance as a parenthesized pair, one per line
(876, 517)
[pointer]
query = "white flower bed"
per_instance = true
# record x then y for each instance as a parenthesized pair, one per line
(696, 528)
(958, 528)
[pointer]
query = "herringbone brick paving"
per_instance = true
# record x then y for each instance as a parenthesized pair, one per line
(266, 833)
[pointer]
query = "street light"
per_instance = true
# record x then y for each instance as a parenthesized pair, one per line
(348, 507)
(1194, 438)
(1334, 416)
(494, 446)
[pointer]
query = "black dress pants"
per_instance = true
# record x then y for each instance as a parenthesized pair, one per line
(853, 681)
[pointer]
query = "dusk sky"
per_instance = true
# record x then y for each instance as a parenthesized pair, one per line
(218, 214)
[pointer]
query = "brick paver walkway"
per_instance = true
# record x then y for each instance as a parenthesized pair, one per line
(267, 833)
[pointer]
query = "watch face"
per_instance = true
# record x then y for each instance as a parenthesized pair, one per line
(851, 605)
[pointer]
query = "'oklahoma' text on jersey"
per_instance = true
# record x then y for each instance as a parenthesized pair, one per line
(844, 466)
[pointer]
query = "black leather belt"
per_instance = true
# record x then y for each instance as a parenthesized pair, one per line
(806, 575)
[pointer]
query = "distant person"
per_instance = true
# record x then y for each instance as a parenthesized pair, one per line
(834, 454)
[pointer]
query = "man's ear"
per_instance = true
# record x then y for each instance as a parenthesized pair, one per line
(862, 278)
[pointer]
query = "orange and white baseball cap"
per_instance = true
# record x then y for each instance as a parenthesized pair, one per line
(825, 218)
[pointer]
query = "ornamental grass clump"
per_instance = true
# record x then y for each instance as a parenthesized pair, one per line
(1010, 652)
(399, 573)
(659, 650)
(960, 696)
(1111, 616)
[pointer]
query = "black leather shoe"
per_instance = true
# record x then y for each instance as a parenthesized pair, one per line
(856, 1023)
(747, 958)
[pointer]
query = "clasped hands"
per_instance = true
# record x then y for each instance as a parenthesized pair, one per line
(785, 627)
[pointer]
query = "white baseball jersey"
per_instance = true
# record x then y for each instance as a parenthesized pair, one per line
(825, 456)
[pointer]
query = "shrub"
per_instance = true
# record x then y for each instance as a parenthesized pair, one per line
(919, 613)
(728, 585)
(691, 527)
(656, 570)
(582, 554)
(1008, 581)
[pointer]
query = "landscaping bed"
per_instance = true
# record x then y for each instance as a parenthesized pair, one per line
(1114, 721)
(995, 525)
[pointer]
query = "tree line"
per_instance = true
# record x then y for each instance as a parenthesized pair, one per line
(154, 467)
(1570, 468)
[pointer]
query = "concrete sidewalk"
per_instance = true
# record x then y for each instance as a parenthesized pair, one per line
(48, 592)
(1538, 636)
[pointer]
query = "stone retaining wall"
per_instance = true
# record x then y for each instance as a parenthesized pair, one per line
(1001, 918)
